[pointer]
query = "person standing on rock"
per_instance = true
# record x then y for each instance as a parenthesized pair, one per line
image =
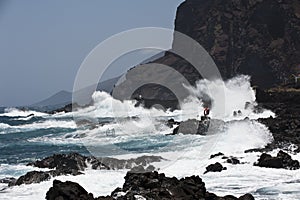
(206, 111)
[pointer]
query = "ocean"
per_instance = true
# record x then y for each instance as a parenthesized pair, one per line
(121, 130)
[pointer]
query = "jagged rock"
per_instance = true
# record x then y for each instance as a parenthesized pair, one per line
(152, 185)
(32, 177)
(74, 163)
(68, 163)
(216, 155)
(282, 160)
(149, 185)
(217, 167)
(285, 127)
(67, 191)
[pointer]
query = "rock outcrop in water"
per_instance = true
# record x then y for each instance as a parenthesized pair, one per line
(150, 185)
(282, 160)
(217, 167)
(75, 164)
(192, 126)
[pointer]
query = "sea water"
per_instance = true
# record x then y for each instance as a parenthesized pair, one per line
(29, 135)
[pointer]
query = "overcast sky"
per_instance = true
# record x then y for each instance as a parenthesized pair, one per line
(43, 43)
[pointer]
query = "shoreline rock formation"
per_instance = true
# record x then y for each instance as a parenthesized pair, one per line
(149, 185)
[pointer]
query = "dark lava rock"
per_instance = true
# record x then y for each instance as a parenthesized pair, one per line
(149, 185)
(246, 197)
(67, 191)
(152, 185)
(233, 161)
(282, 160)
(74, 163)
(32, 177)
(216, 155)
(285, 128)
(217, 167)
(67, 163)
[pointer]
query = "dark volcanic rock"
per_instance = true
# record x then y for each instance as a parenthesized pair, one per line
(217, 167)
(74, 163)
(255, 37)
(149, 185)
(32, 177)
(153, 185)
(64, 163)
(285, 128)
(67, 191)
(282, 160)
(216, 155)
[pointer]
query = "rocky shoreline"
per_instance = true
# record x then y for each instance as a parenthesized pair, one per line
(144, 182)
(285, 127)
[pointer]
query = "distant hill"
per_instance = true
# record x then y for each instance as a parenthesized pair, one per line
(58, 99)
(63, 98)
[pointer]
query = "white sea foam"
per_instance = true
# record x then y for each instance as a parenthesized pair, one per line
(5, 128)
(14, 112)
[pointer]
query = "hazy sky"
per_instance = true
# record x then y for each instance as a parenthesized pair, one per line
(43, 43)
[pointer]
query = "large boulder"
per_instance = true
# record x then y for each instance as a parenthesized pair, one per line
(69, 163)
(67, 191)
(32, 177)
(192, 126)
(217, 167)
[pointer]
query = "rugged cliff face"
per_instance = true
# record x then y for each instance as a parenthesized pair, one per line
(256, 37)
(260, 38)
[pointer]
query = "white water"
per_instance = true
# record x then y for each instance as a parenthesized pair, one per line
(5, 128)
(14, 112)
(188, 154)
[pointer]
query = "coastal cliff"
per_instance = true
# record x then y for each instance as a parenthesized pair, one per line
(259, 38)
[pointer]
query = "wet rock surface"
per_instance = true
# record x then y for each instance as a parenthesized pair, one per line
(192, 126)
(63, 162)
(67, 190)
(150, 185)
(217, 167)
(285, 127)
(282, 160)
(75, 164)
(32, 177)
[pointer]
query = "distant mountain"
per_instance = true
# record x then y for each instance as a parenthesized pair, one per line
(63, 98)
(59, 98)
